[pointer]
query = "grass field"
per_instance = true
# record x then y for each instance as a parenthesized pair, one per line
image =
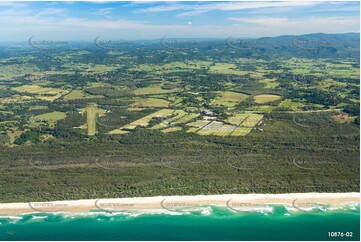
(265, 98)
(43, 93)
(119, 131)
(49, 118)
(291, 104)
(17, 70)
(226, 68)
(198, 123)
(169, 122)
(237, 118)
(252, 119)
(144, 121)
(229, 99)
(192, 130)
(153, 90)
(186, 118)
(320, 66)
(241, 131)
(15, 99)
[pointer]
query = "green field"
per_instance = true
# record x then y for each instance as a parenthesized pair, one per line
(49, 118)
(153, 90)
(144, 121)
(43, 93)
(229, 99)
(252, 120)
(265, 98)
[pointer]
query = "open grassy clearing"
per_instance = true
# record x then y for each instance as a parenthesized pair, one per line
(49, 118)
(265, 98)
(8, 72)
(43, 93)
(237, 119)
(135, 109)
(192, 130)
(226, 68)
(186, 118)
(15, 99)
(291, 104)
(169, 122)
(321, 67)
(155, 89)
(241, 131)
(119, 131)
(171, 129)
(84, 68)
(229, 99)
(198, 123)
(196, 65)
(145, 120)
(252, 119)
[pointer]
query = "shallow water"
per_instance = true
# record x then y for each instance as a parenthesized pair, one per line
(206, 223)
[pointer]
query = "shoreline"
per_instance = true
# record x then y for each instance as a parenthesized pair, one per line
(303, 202)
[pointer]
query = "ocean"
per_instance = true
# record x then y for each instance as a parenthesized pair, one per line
(205, 223)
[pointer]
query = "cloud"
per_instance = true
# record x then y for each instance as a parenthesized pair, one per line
(12, 4)
(164, 8)
(264, 21)
(196, 9)
(106, 12)
(287, 22)
(53, 11)
(25, 22)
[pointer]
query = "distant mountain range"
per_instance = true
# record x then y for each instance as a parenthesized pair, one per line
(307, 45)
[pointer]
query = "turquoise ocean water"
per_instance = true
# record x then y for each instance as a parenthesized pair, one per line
(206, 223)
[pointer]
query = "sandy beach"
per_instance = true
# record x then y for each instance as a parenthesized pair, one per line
(235, 202)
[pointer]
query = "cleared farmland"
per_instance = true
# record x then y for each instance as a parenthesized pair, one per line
(252, 120)
(265, 98)
(144, 121)
(229, 99)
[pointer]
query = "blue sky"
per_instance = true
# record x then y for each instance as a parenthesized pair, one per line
(153, 20)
